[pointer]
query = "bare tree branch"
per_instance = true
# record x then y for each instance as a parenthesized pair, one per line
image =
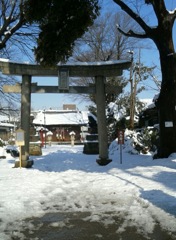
(131, 33)
(11, 13)
(132, 14)
(158, 6)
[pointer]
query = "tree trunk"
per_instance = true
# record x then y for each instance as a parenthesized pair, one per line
(167, 106)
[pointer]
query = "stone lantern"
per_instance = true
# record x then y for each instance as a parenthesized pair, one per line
(49, 137)
(72, 137)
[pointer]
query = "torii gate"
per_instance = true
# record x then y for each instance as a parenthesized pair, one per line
(98, 70)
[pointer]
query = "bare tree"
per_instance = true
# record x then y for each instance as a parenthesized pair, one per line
(17, 38)
(162, 36)
(101, 43)
(139, 73)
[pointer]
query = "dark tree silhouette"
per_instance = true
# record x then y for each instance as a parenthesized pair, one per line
(61, 23)
(162, 36)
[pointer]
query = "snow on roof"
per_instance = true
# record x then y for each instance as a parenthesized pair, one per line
(100, 63)
(61, 117)
(150, 106)
(146, 101)
(8, 60)
(149, 103)
(4, 118)
(2, 124)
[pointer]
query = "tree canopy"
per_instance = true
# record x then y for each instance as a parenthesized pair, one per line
(60, 23)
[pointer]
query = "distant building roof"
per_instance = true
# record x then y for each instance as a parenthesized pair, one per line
(61, 117)
(7, 125)
(4, 118)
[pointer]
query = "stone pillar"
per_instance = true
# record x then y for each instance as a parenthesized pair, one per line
(25, 119)
(101, 118)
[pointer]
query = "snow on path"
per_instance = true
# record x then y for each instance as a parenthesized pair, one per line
(139, 190)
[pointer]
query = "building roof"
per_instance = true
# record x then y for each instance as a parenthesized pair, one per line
(61, 117)
(4, 118)
(6, 125)
(4, 122)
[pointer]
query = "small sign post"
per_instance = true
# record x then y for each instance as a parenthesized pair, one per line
(120, 142)
(20, 141)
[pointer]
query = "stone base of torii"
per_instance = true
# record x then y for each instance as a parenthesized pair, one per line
(98, 70)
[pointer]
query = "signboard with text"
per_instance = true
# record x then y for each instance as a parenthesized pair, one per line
(20, 137)
(120, 137)
(120, 142)
(64, 79)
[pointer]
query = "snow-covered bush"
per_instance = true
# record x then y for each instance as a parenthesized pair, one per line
(136, 142)
(128, 146)
(150, 138)
(144, 140)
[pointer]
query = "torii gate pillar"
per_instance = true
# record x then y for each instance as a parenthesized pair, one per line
(25, 120)
(101, 117)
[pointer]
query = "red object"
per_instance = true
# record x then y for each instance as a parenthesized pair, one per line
(42, 137)
(120, 137)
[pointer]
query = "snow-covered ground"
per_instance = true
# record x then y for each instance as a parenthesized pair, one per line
(140, 190)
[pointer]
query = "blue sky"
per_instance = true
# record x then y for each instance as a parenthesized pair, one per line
(149, 57)
(54, 101)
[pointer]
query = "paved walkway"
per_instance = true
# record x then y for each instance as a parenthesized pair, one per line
(73, 226)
